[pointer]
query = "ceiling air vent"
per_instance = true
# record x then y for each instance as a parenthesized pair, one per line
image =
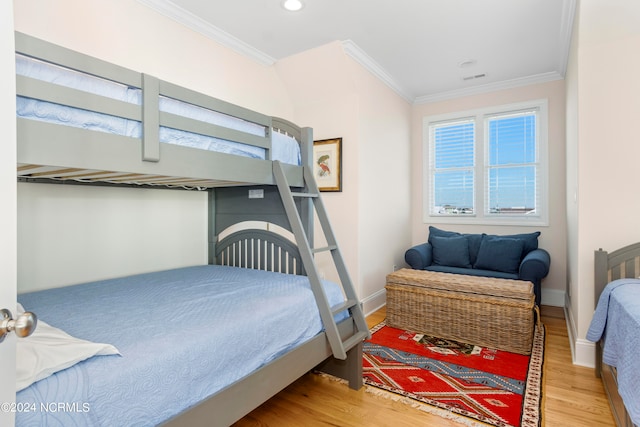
(475, 76)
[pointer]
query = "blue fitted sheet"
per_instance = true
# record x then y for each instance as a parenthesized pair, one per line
(617, 319)
(183, 335)
(284, 147)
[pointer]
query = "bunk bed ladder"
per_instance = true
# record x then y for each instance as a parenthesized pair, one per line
(339, 347)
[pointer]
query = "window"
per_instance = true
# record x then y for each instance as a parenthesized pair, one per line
(453, 166)
(487, 166)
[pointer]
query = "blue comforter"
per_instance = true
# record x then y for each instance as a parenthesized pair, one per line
(617, 320)
(183, 335)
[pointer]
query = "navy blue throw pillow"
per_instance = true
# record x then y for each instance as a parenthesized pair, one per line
(451, 251)
(499, 254)
(436, 232)
(529, 240)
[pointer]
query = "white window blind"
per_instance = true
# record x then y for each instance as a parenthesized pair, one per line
(487, 165)
(453, 167)
(512, 164)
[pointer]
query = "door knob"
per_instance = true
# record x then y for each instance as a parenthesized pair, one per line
(23, 326)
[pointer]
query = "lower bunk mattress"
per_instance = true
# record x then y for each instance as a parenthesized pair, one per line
(182, 335)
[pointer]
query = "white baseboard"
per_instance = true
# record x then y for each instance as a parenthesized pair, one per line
(552, 297)
(374, 302)
(583, 352)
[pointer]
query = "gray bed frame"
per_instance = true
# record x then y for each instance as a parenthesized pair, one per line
(60, 154)
(619, 264)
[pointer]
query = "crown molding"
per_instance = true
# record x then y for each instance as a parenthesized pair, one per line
(566, 31)
(490, 87)
(361, 57)
(189, 20)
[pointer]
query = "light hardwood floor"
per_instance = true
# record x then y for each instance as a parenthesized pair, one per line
(573, 396)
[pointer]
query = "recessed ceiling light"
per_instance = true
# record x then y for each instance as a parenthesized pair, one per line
(292, 5)
(466, 63)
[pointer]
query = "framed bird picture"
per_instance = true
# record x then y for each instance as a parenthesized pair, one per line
(327, 164)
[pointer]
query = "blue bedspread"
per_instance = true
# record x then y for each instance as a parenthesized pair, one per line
(183, 335)
(284, 147)
(617, 319)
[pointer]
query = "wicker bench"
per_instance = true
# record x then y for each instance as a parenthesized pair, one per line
(485, 311)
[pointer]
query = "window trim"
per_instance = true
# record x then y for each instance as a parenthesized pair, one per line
(481, 166)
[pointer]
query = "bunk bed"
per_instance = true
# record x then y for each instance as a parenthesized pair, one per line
(615, 328)
(84, 121)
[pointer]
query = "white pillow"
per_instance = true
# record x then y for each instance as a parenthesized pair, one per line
(49, 350)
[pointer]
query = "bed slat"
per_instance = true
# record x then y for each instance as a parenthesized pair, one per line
(47, 174)
(196, 98)
(44, 91)
(619, 264)
(208, 129)
(259, 249)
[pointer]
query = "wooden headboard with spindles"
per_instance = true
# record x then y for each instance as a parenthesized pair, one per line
(619, 264)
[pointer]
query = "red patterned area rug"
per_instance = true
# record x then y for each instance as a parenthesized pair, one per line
(473, 385)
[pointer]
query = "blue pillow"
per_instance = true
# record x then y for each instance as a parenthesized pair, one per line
(474, 245)
(436, 232)
(530, 241)
(499, 253)
(451, 251)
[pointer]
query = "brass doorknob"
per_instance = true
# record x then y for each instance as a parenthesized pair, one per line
(23, 326)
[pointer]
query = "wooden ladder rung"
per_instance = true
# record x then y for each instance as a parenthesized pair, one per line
(324, 249)
(350, 303)
(355, 339)
(311, 195)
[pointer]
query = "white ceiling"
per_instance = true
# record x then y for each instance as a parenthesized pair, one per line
(417, 47)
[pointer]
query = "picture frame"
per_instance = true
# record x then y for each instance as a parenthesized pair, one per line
(327, 164)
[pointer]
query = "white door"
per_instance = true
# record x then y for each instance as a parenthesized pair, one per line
(8, 257)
